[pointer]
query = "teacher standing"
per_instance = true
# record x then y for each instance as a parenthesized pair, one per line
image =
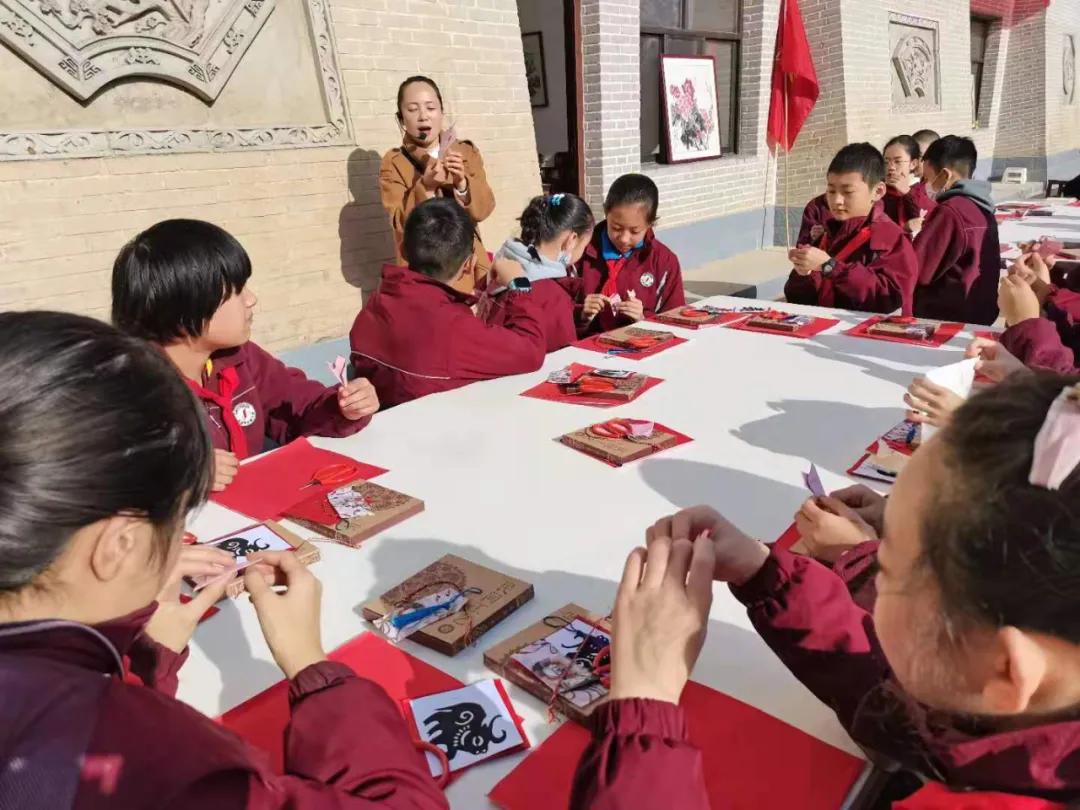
(417, 170)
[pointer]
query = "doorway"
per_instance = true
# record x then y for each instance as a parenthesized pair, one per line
(552, 48)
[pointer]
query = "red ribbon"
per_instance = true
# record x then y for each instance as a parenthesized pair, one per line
(227, 383)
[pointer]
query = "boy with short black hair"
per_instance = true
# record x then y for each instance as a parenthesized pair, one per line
(862, 260)
(958, 249)
(417, 335)
(924, 137)
(182, 284)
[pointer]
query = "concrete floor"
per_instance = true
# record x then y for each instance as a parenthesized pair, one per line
(766, 270)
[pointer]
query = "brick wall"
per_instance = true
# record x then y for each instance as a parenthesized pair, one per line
(310, 218)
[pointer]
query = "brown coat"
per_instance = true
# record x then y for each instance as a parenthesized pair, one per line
(402, 191)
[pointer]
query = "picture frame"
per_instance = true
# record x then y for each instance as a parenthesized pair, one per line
(535, 68)
(690, 109)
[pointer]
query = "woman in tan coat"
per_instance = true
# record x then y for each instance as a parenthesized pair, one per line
(417, 170)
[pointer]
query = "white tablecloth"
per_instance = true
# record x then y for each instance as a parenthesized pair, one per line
(1064, 224)
(500, 491)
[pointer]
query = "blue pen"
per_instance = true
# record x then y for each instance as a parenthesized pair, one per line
(405, 619)
(911, 433)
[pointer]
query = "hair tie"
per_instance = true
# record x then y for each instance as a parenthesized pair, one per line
(556, 199)
(1057, 445)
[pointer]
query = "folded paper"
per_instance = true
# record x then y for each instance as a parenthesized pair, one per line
(339, 368)
(958, 378)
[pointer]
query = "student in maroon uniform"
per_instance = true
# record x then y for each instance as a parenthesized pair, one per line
(863, 261)
(626, 272)
(417, 335)
(816, 215)
(905, 201)
(555, 231)
(1043, 318)
(104, 452)
(183, 285)
(965, 674)
(958, 249)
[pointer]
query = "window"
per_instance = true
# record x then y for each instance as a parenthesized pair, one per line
(691, 28)
(980, 32)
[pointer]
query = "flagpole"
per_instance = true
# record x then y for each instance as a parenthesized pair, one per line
(787, 152)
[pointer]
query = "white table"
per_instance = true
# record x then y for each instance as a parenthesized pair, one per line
(500, 491)
(1064, 224)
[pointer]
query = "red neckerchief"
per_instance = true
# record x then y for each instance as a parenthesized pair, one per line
(227, 382)
(611, 285)
(901, 213)
(826, 291)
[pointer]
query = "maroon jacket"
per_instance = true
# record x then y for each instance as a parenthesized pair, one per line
(271, 400)
(1051, 342)
(959, 257)
(652, 272)
(879, 276)
(556, 299)
(902, 208)
(88, 739)
(417, 336)
(640, 756)
(816, 213)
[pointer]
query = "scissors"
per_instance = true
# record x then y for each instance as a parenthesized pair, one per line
(614, 429)
(589, 384)
(333, 474)
(602, 671)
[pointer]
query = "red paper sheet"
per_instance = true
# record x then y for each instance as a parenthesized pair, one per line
(815, 327)
(262, 719)
(723, 320)
(944, 333)
(680, 438)
(789, 538)
(552, 393)
(266, 487)
(593, 345)
(752, 761)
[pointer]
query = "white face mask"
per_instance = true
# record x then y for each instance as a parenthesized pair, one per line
(932, 192)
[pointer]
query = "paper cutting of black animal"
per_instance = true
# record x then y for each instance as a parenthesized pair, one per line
(242, 546)
(461, 727)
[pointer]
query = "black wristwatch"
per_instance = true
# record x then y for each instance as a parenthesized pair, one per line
(828, 267)
(520, 284)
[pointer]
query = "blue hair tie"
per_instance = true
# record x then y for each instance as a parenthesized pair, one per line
(556, 199)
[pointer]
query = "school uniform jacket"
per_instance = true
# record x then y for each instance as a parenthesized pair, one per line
(269, 400)
(401, 190)
(652, 272)
(1053, 341)
(555, 298)
(815, 216)
(88, 738)
(878, 276)
(902, 208)
(417, 336)
(959, 257)
(640, 754)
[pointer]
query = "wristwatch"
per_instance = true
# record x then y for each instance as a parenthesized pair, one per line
(520, 284)
(828, 267)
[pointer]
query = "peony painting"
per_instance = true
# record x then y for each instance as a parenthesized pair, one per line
(691, 123)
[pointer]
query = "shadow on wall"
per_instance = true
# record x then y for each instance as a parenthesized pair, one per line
(367, 242)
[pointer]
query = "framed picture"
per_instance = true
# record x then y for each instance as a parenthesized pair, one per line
(691, 123)
(535, 70)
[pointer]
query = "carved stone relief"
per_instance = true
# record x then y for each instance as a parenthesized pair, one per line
(192, 43)
(83, 45)
(1068, 69)
(914, 62)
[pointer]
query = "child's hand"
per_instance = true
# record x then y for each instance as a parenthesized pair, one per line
(738, 556)
(902, 183)
(914, 225)
(931, 403)
(995, 361)
(864, 502)
(661, 614)
(829, 528)
(1017, 301)
(226, 465)
(289, 620)
(173, 623)
(631, 308)
(454, 164)
(816, 232)
(358, 399)
(807, 259)
(594, 303)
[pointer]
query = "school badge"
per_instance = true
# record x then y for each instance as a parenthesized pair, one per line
(244, 413)
(647, 280)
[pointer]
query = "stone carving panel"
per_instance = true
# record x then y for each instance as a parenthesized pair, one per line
(194, 44)
(914, 62)
(1068, 69)
(83, 45)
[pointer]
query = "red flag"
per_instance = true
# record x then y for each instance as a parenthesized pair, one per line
(794, 80)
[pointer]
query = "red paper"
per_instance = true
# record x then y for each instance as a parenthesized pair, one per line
(262, 719)
(593, 344)
(815, 327)
(751, 761)
(944, 333)
(680, 438)
(553, 393)
(268, 486)
(789, 538)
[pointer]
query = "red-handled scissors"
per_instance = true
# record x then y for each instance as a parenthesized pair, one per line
(601, 668)
(614, 429)
(333, 474)
(691, 312)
